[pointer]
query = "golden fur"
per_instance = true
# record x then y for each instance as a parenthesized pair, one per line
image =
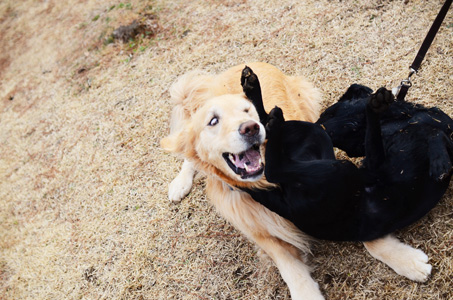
(297, 97)
(199, 98)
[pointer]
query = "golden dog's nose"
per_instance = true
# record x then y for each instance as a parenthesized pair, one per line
(249, 128)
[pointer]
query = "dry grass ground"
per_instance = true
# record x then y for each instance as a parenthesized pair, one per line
(83, 206)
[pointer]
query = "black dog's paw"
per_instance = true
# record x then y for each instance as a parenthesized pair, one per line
(249, 80)
(275, 121)
(381, 100)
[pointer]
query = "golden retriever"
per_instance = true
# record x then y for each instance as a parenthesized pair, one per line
(217, 132)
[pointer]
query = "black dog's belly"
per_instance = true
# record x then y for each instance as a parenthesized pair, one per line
(336, 214)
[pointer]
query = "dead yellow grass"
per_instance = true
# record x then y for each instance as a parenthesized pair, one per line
(83, 206)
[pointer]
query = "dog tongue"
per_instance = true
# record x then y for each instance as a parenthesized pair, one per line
(251, 158)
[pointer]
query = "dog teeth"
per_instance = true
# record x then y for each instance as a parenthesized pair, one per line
(231, 157)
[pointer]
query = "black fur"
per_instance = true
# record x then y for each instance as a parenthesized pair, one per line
(408, 152)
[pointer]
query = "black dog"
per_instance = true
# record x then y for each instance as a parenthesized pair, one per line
(408, 151)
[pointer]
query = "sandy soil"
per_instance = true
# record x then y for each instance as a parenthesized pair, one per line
(83, 206)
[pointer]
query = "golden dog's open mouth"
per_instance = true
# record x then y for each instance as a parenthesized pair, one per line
(246, 164)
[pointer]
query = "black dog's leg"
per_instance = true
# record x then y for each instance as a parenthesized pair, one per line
(274, 148)
(378, 103)
(252, 89)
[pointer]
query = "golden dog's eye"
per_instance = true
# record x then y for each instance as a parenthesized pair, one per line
(246, 110)
(214, 121)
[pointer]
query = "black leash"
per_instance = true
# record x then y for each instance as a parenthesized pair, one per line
(406, 83)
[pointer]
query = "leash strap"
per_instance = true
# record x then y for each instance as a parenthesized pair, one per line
(406, 83)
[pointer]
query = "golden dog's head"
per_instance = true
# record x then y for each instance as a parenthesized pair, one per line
(223, 137)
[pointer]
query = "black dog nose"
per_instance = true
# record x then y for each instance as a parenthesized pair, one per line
(249, 128)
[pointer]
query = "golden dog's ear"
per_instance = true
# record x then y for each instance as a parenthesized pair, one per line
(176, 142)
(173, 143)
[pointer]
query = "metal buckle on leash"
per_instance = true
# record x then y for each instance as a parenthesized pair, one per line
(405, 82)
(401, 91)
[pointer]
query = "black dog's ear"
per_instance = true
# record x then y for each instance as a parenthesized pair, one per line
(356, 91)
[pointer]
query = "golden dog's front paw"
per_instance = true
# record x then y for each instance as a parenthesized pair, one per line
(179, 188)
(182, 184)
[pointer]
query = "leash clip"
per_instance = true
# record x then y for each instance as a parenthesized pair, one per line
(407, 83)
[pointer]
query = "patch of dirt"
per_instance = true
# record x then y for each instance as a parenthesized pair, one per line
(114, 44)
(138, 28)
